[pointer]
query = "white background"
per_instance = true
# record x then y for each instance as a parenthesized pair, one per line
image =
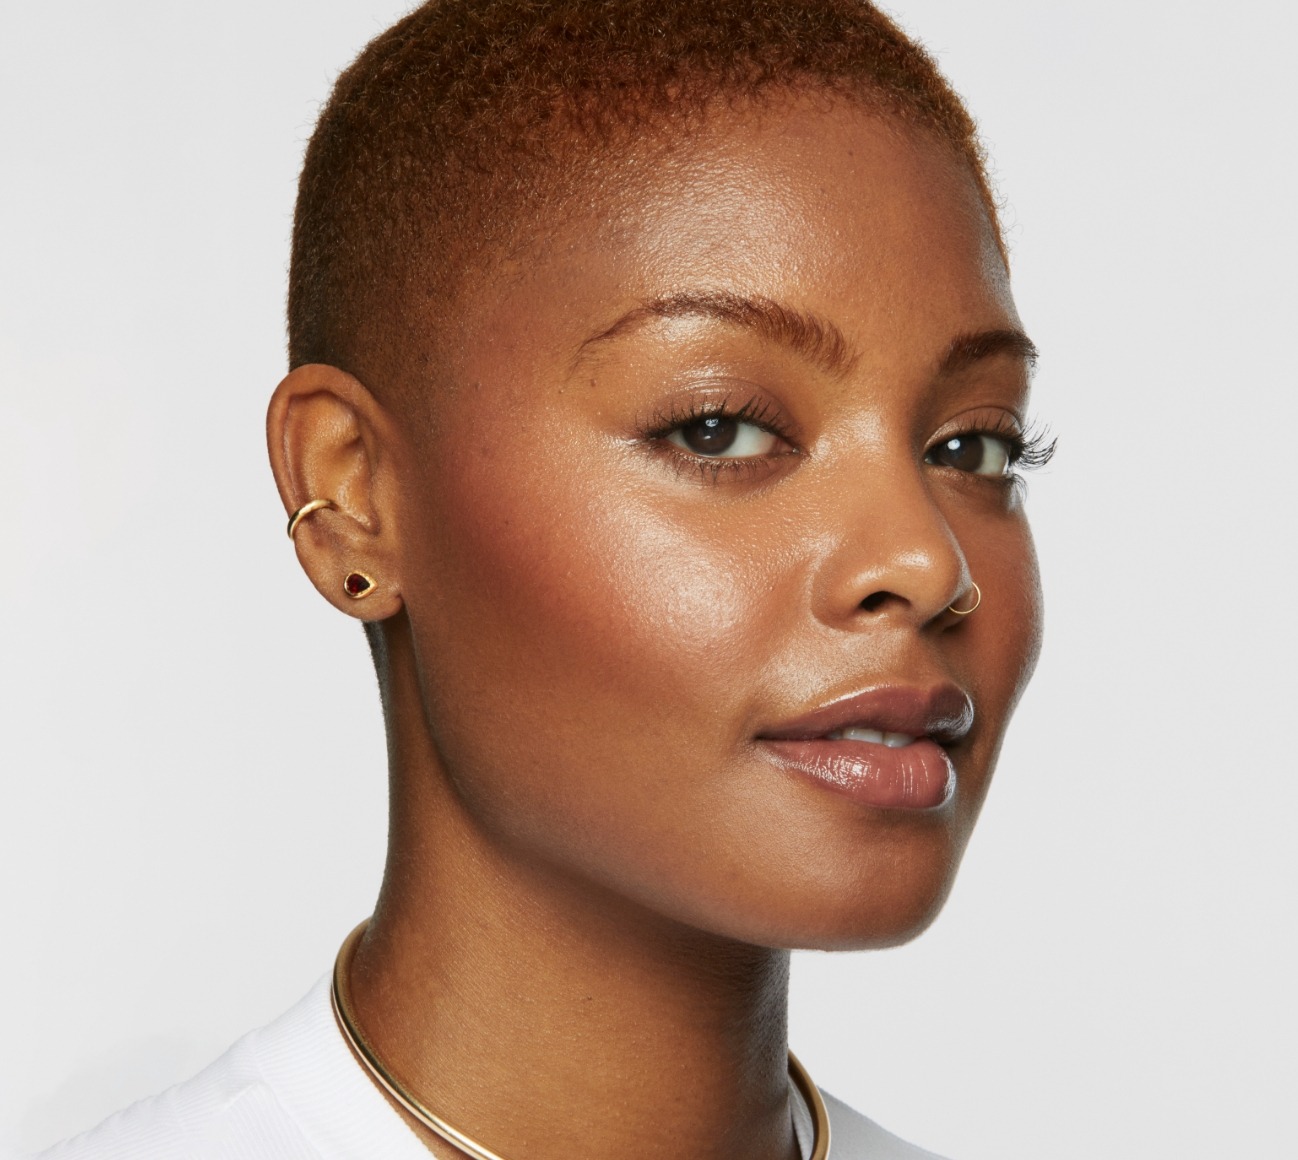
(193, 785)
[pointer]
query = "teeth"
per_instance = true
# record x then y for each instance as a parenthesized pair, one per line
(853, 734)
(877, 736)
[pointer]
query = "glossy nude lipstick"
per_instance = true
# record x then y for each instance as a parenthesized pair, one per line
(885, 747)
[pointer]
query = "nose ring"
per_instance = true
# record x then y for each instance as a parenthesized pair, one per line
(978, 599)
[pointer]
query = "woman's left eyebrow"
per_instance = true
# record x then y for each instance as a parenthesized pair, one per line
(814, 338)
(967, 349)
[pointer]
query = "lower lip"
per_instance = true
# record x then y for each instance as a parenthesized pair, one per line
(918, 776)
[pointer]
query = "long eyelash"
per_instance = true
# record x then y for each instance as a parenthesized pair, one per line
(1036, 448)
(1029, 449)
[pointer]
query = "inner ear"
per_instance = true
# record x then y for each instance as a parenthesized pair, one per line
(322, 442)
(328, 455)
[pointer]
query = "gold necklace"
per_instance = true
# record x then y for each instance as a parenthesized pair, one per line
(341, 996)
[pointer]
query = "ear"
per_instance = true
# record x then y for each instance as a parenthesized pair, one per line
(330, 439)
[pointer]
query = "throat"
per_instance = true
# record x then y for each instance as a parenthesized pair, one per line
(542, 1043)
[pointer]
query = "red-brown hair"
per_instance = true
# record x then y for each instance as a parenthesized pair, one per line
(454, 119)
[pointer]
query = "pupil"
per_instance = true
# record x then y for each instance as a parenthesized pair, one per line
(711, 436)
(965, 453)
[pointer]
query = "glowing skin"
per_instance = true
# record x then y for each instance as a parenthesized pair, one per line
(596, 858)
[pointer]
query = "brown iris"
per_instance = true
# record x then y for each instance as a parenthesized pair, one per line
(713, 435)
(977, 454)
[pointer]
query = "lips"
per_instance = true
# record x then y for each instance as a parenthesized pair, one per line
(885, 747)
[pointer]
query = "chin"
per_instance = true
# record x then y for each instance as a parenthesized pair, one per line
(854, 933)
(856, 928)
(876, 906)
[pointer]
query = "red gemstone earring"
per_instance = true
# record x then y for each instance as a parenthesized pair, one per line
(358, 585)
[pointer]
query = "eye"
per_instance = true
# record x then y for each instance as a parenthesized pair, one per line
(724, 437)
(974, 453)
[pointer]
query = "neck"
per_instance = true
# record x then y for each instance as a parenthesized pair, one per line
(549, 1017)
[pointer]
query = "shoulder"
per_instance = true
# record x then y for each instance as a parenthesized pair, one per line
(228, 1111)
(855, 1137)
(289, 1091)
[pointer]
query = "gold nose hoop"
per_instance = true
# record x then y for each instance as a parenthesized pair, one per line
(978, 599)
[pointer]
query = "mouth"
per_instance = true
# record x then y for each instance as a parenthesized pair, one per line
(886, 748)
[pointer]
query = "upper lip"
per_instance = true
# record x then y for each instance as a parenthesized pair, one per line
(942, 712)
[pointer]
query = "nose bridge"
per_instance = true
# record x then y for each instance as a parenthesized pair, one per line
(894, 550)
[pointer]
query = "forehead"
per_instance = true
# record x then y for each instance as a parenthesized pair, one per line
(822, 204)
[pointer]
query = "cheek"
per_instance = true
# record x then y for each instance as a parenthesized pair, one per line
(590, 650)
(561, 572)
(564, 618)
(1018, 614)
(999, 646)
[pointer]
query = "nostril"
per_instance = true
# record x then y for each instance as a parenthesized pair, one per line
(873, 601)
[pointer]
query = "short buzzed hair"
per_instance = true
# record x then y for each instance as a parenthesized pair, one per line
(454, 121)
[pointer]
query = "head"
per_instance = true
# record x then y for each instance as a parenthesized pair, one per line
(661, 362)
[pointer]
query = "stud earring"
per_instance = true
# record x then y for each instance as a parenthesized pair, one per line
(357, 585)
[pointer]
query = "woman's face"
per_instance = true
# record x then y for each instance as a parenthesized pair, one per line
(716, 460)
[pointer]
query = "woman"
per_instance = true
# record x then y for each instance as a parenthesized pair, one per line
(658, 403)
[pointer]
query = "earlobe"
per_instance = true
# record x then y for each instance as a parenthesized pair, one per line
(332, 449)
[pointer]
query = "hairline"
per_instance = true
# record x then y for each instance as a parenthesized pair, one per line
(582, 158)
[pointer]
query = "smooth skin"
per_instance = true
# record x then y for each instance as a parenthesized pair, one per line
(595, 870)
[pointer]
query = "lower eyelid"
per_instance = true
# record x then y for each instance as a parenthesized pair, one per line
(713, 469)
(716, 468)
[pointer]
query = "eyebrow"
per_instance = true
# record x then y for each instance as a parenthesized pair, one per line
(814, 338)
(967, 349)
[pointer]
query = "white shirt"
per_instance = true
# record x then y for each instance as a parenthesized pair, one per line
(293, 1091)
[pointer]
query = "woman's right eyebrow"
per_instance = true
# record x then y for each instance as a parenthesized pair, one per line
(808, 335)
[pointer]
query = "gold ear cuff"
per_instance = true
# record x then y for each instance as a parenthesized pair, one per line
(312, 505)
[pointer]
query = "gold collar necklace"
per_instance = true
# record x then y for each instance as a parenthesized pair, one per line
(341, 996)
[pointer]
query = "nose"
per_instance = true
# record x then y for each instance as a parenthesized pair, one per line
(893, 553)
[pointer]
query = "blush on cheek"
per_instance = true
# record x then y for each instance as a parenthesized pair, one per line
(588, 585)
